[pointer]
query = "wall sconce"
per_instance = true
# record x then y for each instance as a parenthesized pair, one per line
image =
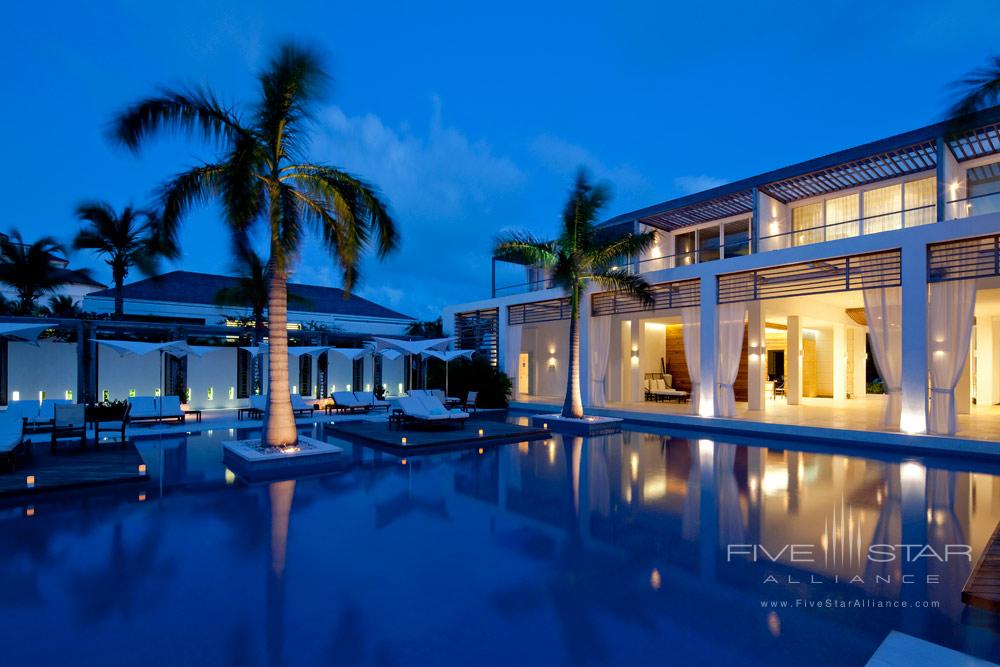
(635, 358)
(552, 362)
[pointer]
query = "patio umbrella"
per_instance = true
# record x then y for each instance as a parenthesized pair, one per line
(134, 348)
(412, 347)
(26, 333)
(446, 356)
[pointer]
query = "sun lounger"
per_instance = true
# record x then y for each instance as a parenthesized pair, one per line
(11, 443)
(256, 408)
(143, 409)
(659, 388)
(22, 413)
(346, 401)
(368, 398)
(428, 411)
(170, 408)
(300, 407)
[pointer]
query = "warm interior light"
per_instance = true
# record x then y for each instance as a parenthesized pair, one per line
(480, 451)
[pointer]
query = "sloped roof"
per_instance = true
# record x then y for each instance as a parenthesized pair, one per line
(201, 288)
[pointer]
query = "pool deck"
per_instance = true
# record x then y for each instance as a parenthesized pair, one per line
(815, 423)
(983, 587)
(902, 650)
(476, 432)
(71, 467)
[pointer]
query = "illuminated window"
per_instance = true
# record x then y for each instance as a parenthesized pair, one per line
(807, 224)
(841, 217)
(883, 209)
(920, 202)
(736, 238)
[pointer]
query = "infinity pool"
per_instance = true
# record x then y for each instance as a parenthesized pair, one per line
(637, 548)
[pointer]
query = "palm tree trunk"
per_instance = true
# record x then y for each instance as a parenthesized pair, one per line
(573, 407)
(119, 301)
(279, 422)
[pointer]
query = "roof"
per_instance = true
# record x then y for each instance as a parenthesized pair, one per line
(201, 288)
(899, 155)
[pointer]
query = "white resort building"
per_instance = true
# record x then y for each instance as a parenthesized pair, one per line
(219, 365)
(859, 291)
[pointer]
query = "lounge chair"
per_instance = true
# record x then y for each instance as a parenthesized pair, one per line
(300, 407)
(659, 387)
(255, 410)
(11, 443)
(368, 398)
(169, 407)
(69, 421)
(143, 409)
(345, 401)
(447, 401)
(22, 413)
(429, 410)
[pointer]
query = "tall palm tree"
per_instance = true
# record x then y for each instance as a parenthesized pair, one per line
(580, 255)
(123, 239)
(262, 175)
(31, 269)
(979, 89)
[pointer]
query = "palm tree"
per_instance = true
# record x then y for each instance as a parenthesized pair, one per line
(978, 90)
(62, 305)
(124, 239)
(250, 291)
(428, 329)
(31, 270)
(262, 175)
(580, 255)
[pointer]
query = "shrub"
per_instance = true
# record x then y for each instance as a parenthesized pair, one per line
(466, 375)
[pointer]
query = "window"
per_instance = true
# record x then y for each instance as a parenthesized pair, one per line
(708, 244)
(305, 374)
(358, 375)
(920, 202)
(376, 371)
(243, 362)
(883, 208)
(684, 247)
(736, 236)
(807, 224)
(841, 217)
(322, 370)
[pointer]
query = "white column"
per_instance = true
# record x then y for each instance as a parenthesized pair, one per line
(860, 387)
(914, 324)
(709, 345)
(839, 361)
(984, 361)
(502, 342)
(963, 392)
(615, 362)
(793, 358)
(634, 369)
(757, 363)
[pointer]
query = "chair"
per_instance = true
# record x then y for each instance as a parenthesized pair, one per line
(345, 401)
(416, 412)
(256, 408)
(471, 400)
(11, 442)
(69, 421)
(46, 412)
(143, 409)
(433, 406)
(169, 407)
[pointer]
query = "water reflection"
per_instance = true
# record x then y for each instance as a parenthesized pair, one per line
(563, 551)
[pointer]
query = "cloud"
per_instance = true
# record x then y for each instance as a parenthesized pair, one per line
(691, 184)
(564, 157)
(449, 194)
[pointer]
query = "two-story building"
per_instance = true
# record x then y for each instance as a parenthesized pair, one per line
(858, 290)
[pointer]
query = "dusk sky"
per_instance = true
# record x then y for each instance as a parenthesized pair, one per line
(472, 118)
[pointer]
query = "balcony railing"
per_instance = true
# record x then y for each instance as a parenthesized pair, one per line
(974, 205)
(522, 288)
(871, 224)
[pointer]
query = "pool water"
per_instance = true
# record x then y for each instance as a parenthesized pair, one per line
(634, 548)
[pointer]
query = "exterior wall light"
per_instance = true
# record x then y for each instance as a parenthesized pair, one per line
(16, 395)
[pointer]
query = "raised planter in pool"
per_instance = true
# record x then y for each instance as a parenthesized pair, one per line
(253, 460)
(589, 425)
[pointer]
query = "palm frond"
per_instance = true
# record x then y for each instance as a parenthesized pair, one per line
(194, 186)
(580, 213)
(630, 245)
(626, 283)
(978, 90)
(195, 111)
(524, 248)
(292, 82)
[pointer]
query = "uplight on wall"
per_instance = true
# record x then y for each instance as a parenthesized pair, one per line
(400, 387)
(16, 395)
(348, 388)
(187, 395)
(211, 393)
(41, 396)
(105, 395)
(232, 393)
(69, 394)
(295, 388)
(131, 393)
(156, 392)
(368, 387)
(552, 362)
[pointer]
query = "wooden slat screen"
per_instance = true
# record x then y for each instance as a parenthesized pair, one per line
(965, 259)
(540, 311)
(666, 295)
(478, 330)
(840, 274)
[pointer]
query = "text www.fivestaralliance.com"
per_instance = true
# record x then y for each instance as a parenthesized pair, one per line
(855, 603)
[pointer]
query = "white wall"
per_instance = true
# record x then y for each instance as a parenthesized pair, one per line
(49, 367)
(774, 219)
(653, 347)
(118, 374)
(215, 369)
(546, 341)
(824, 362)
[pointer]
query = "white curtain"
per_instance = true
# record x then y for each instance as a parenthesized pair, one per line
(600, 347)
(691, 331)
(949, 328)
(511, 356)
(731, 326)
(884, 314)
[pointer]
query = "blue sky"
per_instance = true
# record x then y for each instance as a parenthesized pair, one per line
(472, 117)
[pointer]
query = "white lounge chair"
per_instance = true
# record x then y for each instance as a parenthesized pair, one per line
(22, 413)
(11, 442)
(368, 398)
(144, 409)
(300, 407)
(661, 389)
(258, 403)
(417, 411)
(345, 401)
(445, 400)
(169, 407)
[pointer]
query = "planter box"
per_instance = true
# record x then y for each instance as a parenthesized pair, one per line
(590, 425)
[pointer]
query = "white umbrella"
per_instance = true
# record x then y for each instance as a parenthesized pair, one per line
(412, 346)
(134, 348)
(27, 333)
(446, 356)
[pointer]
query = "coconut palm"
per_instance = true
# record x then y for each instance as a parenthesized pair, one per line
(32, 270)
(581, 254)
(123, 239)
(262, 176)
(62, 305)
(978, 90)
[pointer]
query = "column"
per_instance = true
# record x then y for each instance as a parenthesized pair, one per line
(709, 346)
(914, 324)
(984, 361)
(963, 392)
(632, 355)
(860, 387)
(840, 362)
(793, 359)
(757, 363)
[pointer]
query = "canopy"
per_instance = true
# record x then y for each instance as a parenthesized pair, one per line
(308, 349)
(254, 350)
(28, 333)
(413, 346)
(178, 348)
(449, 355)
(390, 354)
(350, 352)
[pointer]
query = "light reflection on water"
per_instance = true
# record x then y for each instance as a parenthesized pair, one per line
(561, 551)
